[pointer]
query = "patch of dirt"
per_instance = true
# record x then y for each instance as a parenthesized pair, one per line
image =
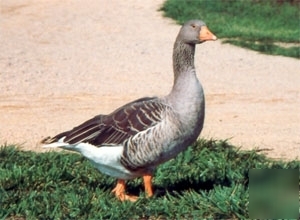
(62, 62)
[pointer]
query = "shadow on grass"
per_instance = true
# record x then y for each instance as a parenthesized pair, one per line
(267, 47)
(208, 180)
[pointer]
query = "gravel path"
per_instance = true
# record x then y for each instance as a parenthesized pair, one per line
(63, 62)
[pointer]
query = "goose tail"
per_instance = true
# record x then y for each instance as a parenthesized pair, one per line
(54, 142)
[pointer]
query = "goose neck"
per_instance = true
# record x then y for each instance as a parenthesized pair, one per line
(186, 85)
(183, 58)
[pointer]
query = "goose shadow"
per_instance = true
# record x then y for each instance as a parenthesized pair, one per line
(178, 187)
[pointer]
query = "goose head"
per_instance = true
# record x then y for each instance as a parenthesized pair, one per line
(195, 32)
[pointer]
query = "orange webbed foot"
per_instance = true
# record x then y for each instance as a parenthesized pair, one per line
(119, 191)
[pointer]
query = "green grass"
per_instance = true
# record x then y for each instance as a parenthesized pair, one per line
(261, 25)
(209, 180)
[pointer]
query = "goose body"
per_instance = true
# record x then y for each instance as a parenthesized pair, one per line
(135, 138)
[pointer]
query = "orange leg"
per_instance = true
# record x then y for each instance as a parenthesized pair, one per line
(119, 191)
(148, 184)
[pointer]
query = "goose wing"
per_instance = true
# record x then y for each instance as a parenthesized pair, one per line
(116, 127)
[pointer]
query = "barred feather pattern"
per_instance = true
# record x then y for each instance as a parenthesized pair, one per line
(151, 147)
(116, 127)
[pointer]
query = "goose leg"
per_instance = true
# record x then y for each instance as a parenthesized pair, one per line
(148, 184)
(119, 191)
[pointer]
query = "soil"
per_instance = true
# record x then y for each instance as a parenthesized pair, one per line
(62, 62)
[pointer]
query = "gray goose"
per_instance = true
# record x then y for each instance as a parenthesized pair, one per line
(135, 138)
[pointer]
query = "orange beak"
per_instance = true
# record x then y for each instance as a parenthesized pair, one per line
(205, 34)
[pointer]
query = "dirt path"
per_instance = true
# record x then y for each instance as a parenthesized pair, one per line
(62, 62)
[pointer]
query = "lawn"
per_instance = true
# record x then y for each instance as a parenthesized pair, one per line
(209, 180)
(268, 26)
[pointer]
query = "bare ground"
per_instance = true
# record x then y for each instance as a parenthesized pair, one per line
(63, 62)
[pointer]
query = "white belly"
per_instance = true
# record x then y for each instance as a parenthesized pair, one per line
(107, 160)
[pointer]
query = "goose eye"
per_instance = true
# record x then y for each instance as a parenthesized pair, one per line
(193, 26)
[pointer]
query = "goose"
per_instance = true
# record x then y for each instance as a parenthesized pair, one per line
(134, 139)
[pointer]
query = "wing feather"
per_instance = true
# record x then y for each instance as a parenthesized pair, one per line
(118, 126)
